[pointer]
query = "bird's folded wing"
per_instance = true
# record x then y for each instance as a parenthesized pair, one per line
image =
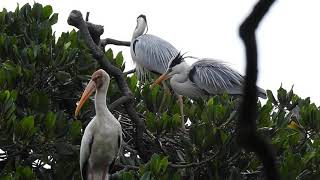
(85, 150)
(215, 77)
(153, 53)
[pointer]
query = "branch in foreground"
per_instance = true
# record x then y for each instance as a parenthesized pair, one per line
(246, 126)
(75, 19)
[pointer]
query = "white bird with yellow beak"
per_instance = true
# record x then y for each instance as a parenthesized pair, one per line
(102, 137)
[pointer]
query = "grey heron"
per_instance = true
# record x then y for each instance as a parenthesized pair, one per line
(203, 78)
(150, 53)
(102, 137)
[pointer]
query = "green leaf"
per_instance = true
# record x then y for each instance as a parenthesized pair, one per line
(133, 81)
(154, 93)
(53, 19)
(50, 121)
(76, 128)
(146, 176)
(66, 45)
(150, 121)
(46, 12)
(27, 123)
(109, 54)
(271, 97)
(164, 164)
(127, 176)
(37, 10)
(24, 173)
(282, 96)
(176, 120)
(26, 127)
(119, 59)
(155, 164)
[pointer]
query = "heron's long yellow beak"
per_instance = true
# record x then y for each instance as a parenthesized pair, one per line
(91, 87)
(160, 79)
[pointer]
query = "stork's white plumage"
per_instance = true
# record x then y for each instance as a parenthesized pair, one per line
(102, 137)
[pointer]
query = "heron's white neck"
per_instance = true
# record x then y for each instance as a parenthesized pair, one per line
(141, 27)
(181, 74)
(100, 102)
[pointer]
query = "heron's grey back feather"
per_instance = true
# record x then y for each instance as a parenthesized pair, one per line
(215, 77)
(151, 54)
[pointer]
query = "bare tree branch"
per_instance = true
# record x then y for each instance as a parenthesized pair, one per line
(75, 19)
(107, 41)
(194, 164)
(246, 126)
(120, 101)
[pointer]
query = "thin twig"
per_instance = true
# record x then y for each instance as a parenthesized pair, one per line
(194, 164)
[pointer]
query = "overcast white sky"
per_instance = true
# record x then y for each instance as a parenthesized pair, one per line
(288, 37)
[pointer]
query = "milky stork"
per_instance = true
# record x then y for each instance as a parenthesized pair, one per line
(203, 78)
(102, 137)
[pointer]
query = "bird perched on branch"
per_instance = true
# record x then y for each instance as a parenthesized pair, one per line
(102, 137)
(150, 53)
(203, 78)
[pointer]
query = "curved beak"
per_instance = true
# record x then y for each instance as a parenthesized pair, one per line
(91, 87)
(163, 77)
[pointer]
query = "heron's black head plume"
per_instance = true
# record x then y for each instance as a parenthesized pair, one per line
(176, 60)
(142, 16)
(145, 19)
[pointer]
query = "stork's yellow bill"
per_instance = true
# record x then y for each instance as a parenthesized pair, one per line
(91, 87)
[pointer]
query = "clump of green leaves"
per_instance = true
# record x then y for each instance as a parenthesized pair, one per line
(41, 79)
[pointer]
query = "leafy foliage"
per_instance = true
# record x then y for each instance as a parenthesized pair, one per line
(41, 79)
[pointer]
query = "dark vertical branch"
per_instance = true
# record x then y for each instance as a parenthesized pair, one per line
(246, 126)
(92, 39)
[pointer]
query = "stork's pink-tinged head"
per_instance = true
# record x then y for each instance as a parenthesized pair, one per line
(99, 82)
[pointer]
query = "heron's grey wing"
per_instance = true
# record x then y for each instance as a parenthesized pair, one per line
(215, 77)
(152, 53)
(85, 150)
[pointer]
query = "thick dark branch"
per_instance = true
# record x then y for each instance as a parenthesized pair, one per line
(120, 101)
(95, 31)
(75, 19)
(107, 41)
(246, 126)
